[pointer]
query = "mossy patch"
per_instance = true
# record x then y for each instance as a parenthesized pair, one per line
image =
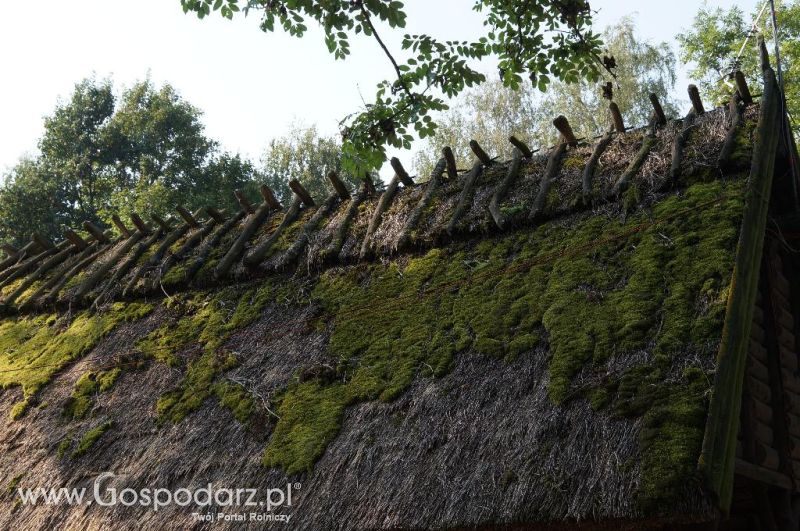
(33, 349)
(206, 319)
(91, 437)
(88, 386)
(595, 287)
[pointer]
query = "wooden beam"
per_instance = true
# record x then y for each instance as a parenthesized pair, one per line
(9, 249)
(465, 198)
(616, 117)
(550, 173)
(697, 103)
(123, 230)
(630, 172)
(562, 124)
(259, 252)
(742, 88)
(452, 171)
(187, 216)
(75, 239)
(502, 189)
(401, 172)
(521, 146)
(661, 118)
(243, 202)
(140, 225)
(591, 166)
(719, 443)
(331, 252)
(413, 220)
(95, 231)
(479, 152)
(338, 186)
(377, 216)
(269, 197)
(301, 192)
(369, 186)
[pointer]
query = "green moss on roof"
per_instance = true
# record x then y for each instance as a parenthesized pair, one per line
(590, 289)
(88, 386)
(91, 437)
(207, 319)
(33, 349)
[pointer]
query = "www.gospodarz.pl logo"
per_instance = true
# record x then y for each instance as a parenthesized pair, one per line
(275, 499)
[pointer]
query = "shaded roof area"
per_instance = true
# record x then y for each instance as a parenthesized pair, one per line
(523, 341)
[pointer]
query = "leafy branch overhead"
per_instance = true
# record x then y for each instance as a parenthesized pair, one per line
(534, 40)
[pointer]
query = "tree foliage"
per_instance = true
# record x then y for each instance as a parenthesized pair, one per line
(713, 43)
(145, 153)
(537, 41)
(307, 156)
(491, 113)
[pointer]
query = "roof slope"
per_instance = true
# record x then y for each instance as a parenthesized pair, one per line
(420, 368)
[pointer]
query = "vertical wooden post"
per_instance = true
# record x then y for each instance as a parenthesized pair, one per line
(521, 146)
(616, 116)
(268, 196)
(697, 103)
(187, 217)
(243, 202)
(301, 192)
(742, 88)
(401, 172)
(95, 231)
(338, 185)
(661, 118)
(123, 230)
(479, 152)
(452, 171)
(562, 124)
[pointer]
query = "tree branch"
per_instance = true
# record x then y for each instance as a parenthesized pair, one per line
(374, 32)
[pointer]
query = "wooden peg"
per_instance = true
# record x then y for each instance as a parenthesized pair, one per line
(160, 222)
(616, 117)
(697, 103)
(338, 185)
(562, 124)
(661, 118)
(95, 231)
(301, 192)
(215, 214)
(139, 224)
(75, 239)
(187, 216)
(479, 152)
(447, 153)
(269, 197)
(742, 88)
(243, 202)
(521, 146)
(401, 172)
(41, 241)
(369, 186)
(123, 230)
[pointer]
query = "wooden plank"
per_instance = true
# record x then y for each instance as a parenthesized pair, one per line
(759, 390)
(758, 473)
(785, 339)
(767, 456)
(788, 359)
(784, 318)
(717, 461)
(763, 433)
(757, 370)
(762, 411)
(758, 351)
(791, 382)
(758, 315)
(757, 333)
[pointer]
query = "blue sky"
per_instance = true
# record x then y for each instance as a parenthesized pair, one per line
(250, 86)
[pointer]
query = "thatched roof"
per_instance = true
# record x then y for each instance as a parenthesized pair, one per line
(441, 364)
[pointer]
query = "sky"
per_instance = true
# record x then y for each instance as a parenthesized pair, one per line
(250, 86)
